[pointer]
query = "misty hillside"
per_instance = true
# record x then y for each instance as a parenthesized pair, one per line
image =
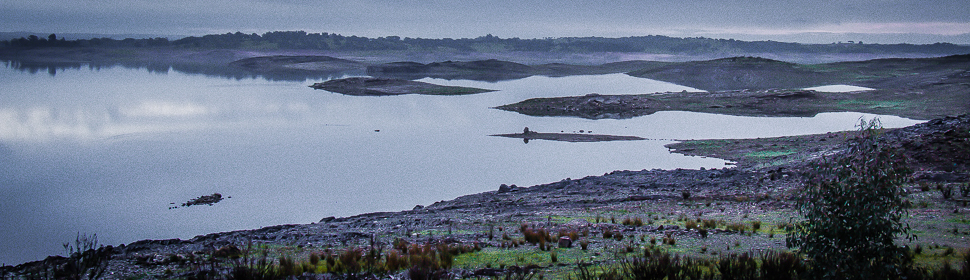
(281, 40)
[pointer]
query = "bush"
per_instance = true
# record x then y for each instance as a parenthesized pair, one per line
(781, 266)
(739, 227)
(734, 266)
(853, 211)
(85, 258)
(690, 224)
(658, 265)
(709, 223)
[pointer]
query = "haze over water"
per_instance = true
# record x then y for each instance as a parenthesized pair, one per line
(107, 150)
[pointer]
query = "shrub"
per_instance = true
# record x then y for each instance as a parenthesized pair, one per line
(965, 190)
(690, 224)
(755, 225)
(670, 240)
(395, 261)
(635, 221)
(85, 258)
(739, 227)
(781, 266)
(607, 234)
(735, 266)
(853, 211)
(657, 265)
(534, 236)
(709, 223)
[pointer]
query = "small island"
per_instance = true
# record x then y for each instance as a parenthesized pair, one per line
(365, 86)
(527, 135)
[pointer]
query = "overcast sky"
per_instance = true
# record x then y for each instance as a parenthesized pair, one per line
(786, 20)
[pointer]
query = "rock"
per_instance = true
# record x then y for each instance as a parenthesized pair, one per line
(504, 188)
(579, 223)
(227, 251)
(418, 207)
(565, 242)
(205, 199)
(490, 272)
(328, 219)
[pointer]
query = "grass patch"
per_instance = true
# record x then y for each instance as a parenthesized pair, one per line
(497, 257)
(769, 154)
(451, 90)
(871, 104)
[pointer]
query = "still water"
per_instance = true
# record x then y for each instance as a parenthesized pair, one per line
(105, 150)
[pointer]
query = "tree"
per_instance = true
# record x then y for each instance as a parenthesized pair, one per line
(853, 211)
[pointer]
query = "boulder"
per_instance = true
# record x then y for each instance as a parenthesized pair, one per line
(565, 242)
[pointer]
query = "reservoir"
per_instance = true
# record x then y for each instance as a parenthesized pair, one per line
(108, 150)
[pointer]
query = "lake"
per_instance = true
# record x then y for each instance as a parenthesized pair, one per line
(107, 150)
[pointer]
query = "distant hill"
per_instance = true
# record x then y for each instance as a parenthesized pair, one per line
(7, 36)
(300, 40)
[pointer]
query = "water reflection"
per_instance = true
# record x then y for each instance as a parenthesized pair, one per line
(208, 70)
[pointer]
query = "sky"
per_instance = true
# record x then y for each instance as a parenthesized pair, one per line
(817, 21)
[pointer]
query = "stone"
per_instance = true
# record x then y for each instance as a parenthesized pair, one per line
(565, 242)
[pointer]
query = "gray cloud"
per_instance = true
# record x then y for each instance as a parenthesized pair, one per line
(437, 18)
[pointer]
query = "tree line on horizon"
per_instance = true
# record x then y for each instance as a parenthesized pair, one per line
(330, 41)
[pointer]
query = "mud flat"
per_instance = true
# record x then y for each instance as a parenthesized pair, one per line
(924, 88)
(929, 97)
(381, 87)
(527, 135)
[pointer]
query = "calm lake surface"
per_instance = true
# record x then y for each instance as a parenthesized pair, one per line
(106, 150)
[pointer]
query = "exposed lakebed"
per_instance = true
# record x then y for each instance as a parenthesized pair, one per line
(86, 150)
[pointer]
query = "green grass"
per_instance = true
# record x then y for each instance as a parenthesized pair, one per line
(958, 221)
(872, 104)
(451, 90)
(769, 154)
(497, 257)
